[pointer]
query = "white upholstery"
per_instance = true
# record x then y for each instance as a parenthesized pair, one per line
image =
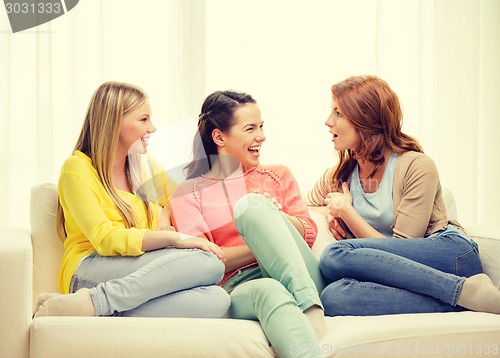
(29, 263)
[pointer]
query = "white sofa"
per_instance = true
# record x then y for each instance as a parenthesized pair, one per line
(29, 262)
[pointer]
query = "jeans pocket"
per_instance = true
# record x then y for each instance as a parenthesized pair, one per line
(469, 264)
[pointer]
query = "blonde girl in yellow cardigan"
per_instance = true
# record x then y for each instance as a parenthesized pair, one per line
(116, 262)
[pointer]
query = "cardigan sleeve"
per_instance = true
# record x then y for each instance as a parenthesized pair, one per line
(99, 222)
(317, 195)
(417, 197)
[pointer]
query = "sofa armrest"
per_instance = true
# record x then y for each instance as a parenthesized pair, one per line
(488, 240)
(16, 276)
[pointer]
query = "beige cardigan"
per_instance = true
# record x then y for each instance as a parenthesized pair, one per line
(418, 202)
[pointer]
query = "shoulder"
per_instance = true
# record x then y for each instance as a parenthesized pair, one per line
(415, 162)
(188, 187)
(275, 168)
(78, 164)
(415, 169)
(276, 172)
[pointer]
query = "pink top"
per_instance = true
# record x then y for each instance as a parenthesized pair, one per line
(203, 206)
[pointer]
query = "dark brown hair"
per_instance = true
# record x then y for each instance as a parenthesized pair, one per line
(217, 112)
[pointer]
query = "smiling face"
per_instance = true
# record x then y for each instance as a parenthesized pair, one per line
(344, 134)
(135, 130)
(244, 139)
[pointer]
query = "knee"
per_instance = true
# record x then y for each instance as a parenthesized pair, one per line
(265, 293)
(336, 299)
(332, 260)
(217, 301)
(251, 206)
(212, 268)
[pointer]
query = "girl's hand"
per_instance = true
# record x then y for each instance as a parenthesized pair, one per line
(338, 202)
(336, 229)
(274, 200)
(191, 242)
(164, 227)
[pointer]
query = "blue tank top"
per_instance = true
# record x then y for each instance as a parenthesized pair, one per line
(376, 208)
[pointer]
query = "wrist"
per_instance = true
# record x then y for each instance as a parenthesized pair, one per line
(346, 212)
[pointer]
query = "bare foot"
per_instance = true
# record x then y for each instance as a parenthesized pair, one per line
(316, 316)
(74, 304)
(44, 297)
(480, 294)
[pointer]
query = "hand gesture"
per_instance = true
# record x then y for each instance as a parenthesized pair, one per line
(191, 242)
(338, 202)
(336, 229)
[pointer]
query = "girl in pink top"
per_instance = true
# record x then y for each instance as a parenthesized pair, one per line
(256, 214)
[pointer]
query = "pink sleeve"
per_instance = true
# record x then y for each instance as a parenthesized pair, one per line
(186, 213)
(294, 205)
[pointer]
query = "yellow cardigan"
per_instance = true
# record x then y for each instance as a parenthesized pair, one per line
(92, 220)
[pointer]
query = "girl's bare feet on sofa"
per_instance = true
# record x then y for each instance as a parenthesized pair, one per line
(44, 297)
(74, 304)
(480, 294)
(316, 316)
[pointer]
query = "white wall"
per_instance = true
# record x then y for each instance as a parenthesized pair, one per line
(287, 54)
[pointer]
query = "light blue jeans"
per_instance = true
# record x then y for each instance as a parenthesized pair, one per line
(160, 283)
(290, 283)
(391, 276)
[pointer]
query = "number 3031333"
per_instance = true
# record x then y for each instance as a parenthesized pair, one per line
(32, 8)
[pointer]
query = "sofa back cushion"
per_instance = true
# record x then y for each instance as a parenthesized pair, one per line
(47, 246)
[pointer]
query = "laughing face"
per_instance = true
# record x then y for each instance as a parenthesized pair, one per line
(135, 130)
(244, 140)
(344, 134)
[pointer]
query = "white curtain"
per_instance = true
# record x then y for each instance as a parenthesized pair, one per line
(441, 56)
(47, 75)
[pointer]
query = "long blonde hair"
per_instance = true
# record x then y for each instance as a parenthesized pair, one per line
(99, 139)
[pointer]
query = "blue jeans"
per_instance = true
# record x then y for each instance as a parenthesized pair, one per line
(391, 276)
(160, 283)
(290, 282)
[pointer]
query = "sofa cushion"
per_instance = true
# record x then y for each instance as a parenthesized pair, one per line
(465, 334)
(454, 334)
(47, 247)
(424, 335)
(147, 337)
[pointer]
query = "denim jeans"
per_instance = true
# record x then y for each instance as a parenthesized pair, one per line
(391, 276)
(161, 283)
(291, 279)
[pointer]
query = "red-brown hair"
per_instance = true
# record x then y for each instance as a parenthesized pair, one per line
(374, 109)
